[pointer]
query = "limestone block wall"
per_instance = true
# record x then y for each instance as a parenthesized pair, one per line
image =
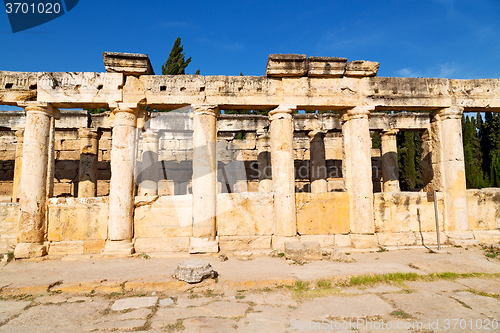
(484, 209)
(7, 161)
(9, 214)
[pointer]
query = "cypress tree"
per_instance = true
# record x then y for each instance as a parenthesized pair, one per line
(175, 64)
(472, 154)
(406, 160)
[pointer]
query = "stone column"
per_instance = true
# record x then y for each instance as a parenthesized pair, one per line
(285, 217)
(31, 230)
(264, 160)
(390, 169)
(122, 185)
(18, 164)
(204, 178)
(87, 172)
(449, 167)
(51, 158)
(317, 162)
(427, 173)
(356, 168)
(148, 183)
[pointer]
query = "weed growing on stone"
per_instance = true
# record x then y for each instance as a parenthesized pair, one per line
(382, 249)
(299, 285)
(400, 314)
(145, 256)
(178, 326)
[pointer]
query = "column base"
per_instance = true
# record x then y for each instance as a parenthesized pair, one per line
(203, 245)
(118, 248)
(29, 250)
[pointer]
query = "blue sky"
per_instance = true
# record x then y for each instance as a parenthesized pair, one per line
(416, 38)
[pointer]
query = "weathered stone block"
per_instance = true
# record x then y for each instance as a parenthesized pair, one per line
(252, 210)
(326, 66)
(281, 65)
(127, 63)
(361, 68)
(166, 216)
(396, 239)
(17, 87)
(72, 219)
(93, 246)
(322, 213)
(9, 215)
(312, 251)
(203, 245)
(66, 247)
(165, 244)
(484, 209)
(194, 270)
(294, 250)
(430, 238)
(487, 236)
(364, 241)
(325, 241)
(343, 241)
(238, 243)
(278, 242)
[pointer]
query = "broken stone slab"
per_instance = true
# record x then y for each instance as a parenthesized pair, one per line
(134, 303)
(194, 271)
(340, 256)
(127, 63)
(361, 68)
(303, 251)
(282, 65)
(326, 66)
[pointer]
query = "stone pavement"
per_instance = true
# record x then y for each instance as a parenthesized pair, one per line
(135, 294)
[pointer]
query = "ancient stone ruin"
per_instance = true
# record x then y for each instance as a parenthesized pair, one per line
(200, 180)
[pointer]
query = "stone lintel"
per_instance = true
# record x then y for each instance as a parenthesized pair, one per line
(127, 63)
(361, 68)
(281, 65)
(326, 66)
(17, 87)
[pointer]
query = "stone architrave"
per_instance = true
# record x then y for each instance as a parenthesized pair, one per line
(148, 182)
(390, 170)
(264, 160)
(317, 163)
(87, 173)
(122, 184)
(285, 217)
(449, 167)
(204, 178)
(18, 164)
(31, 230)
(356, 168)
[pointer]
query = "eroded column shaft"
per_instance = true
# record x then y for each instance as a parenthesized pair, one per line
(87, 175)
(427, 149)
(148, 183)
(32, 202)
(122, 185)
(317, 163)
(283, 174)
(356, 168)
(390, 169)
(449, 167)
(204, 170)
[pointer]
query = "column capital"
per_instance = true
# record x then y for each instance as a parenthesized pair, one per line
(40, 107)
(282, 111)
(452, 112)
(358, 112)
(388, 134)
(205, 109)
(124, 107)
(150, 135)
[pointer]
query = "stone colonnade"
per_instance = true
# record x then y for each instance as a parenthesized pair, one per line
(442, 154)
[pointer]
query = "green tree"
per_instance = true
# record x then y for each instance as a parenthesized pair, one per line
(473, 156)
(176, 63)
(409, 160)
